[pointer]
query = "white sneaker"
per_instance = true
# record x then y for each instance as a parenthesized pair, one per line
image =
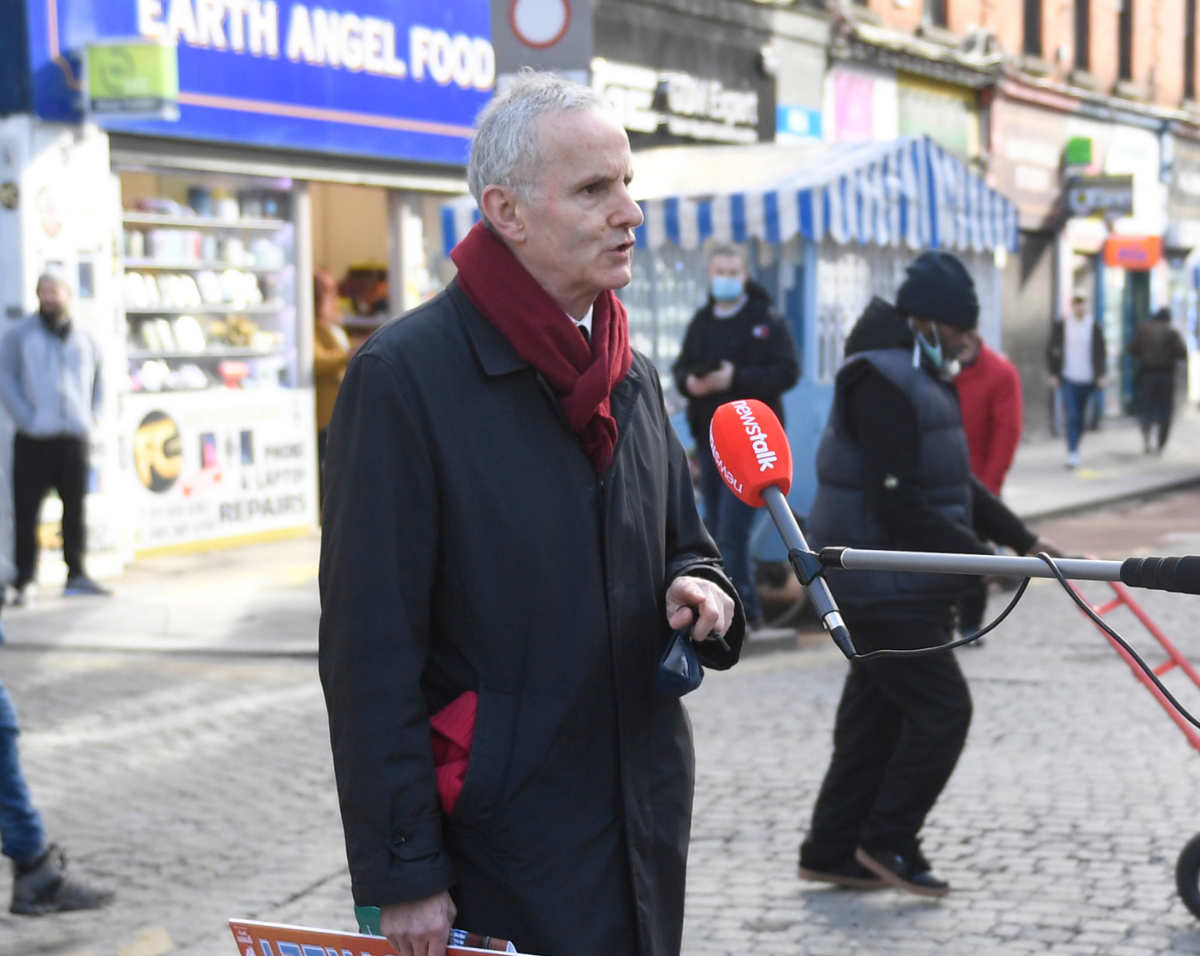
(1073, 459)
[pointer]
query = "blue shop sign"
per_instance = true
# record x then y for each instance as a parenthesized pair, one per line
(399, 79)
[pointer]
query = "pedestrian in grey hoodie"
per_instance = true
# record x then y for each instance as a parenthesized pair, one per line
(50, 382)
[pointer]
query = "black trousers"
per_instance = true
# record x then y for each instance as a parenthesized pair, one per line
(1158, 403)
(40, 464)
(901, 726)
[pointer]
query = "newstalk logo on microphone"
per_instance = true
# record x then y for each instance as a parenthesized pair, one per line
(758, 438)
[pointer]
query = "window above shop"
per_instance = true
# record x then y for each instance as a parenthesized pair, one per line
(1032, 43)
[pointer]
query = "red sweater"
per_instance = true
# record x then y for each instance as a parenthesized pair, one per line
(989, 390)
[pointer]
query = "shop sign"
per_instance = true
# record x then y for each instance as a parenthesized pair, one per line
(133, 79)
(949, 115)
(797, 123)
(860, 103)
(1133, 252)
(1110, 196)
(391, 78)
(219, 464)
(686, 106)
(1026, 149)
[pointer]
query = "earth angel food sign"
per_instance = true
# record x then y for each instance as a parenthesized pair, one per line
(401, 79)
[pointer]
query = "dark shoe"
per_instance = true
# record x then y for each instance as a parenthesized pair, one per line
(43, 887)
(849, 873)
(894, 870)
(80, 584)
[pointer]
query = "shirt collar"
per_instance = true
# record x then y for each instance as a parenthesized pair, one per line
(586, 322)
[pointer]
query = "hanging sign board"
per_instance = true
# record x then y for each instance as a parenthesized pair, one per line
(133, 78)
(1137, 253)
(1100, 195)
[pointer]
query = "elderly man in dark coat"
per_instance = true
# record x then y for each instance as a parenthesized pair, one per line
(510, 539)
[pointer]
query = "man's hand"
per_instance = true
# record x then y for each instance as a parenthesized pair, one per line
(715, 606)
(1041, 544)
(719, 379)
(1054, 381)
(419, 927)
(722, 379)
(1101, 383)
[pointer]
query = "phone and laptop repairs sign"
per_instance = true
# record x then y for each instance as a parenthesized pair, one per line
(398, 79)
(275, 939)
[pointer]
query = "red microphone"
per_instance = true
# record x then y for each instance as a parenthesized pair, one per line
(751, 450)
(752, 454)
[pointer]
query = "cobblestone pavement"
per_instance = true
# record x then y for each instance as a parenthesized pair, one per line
(199, 786)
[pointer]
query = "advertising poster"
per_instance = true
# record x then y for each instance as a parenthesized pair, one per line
(218, 465)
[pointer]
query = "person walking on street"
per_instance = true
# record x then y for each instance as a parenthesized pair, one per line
(993, 412)
(51, 384)
(510, 539)
(1157, 347)
(40, 881)
(1078, 360)
(893, 472)
(736, 347)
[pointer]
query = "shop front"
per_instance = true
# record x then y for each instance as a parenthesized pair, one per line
(1110, 249)
(300, 142)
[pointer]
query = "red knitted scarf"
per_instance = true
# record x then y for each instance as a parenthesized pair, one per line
(496, 283)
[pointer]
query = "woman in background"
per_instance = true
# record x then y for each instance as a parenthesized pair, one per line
(331, 352)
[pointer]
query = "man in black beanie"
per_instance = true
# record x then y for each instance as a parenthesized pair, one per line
(894, 473)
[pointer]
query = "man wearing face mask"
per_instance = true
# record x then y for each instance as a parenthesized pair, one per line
(894, 473)
(736, 347)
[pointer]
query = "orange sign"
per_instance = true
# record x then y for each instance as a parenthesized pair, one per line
(1133, 252)
(277, 939)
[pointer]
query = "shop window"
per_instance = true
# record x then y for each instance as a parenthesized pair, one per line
(1189, 49)
(208, 283)
(934, 13)
(1033, 27)
(1083, 17)
(1125, 40)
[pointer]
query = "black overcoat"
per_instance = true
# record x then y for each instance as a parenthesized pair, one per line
(469, 545)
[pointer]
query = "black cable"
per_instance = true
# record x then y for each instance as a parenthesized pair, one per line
(926, 651)
(1107, 629)
(1083, 606)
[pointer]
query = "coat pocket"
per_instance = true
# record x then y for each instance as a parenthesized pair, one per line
(488, 765)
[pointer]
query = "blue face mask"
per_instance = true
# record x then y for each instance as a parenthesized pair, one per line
(727, 288)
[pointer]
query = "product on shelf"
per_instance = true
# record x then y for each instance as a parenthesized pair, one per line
(188, 334)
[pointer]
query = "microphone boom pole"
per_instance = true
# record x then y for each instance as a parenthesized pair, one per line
(808, 569)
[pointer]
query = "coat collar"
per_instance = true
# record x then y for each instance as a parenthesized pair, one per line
(495, 353)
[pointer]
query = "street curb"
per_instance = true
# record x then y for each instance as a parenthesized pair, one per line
(1092, 504)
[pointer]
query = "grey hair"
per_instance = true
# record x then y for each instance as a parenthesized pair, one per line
(505, 149)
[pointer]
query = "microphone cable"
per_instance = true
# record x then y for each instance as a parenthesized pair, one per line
(1083, 606)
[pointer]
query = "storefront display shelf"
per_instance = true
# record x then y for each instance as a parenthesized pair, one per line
(212, 352)
(214, 309)
(200, 222)
(197, 265)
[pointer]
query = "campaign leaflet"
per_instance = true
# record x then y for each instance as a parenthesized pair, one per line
(278, 939)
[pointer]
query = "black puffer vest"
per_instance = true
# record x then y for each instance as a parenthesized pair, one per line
(840, 514)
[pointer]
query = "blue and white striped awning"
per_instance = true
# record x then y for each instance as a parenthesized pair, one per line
(906, 192)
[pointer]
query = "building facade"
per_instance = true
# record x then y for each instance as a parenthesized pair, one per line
(1085, 115)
